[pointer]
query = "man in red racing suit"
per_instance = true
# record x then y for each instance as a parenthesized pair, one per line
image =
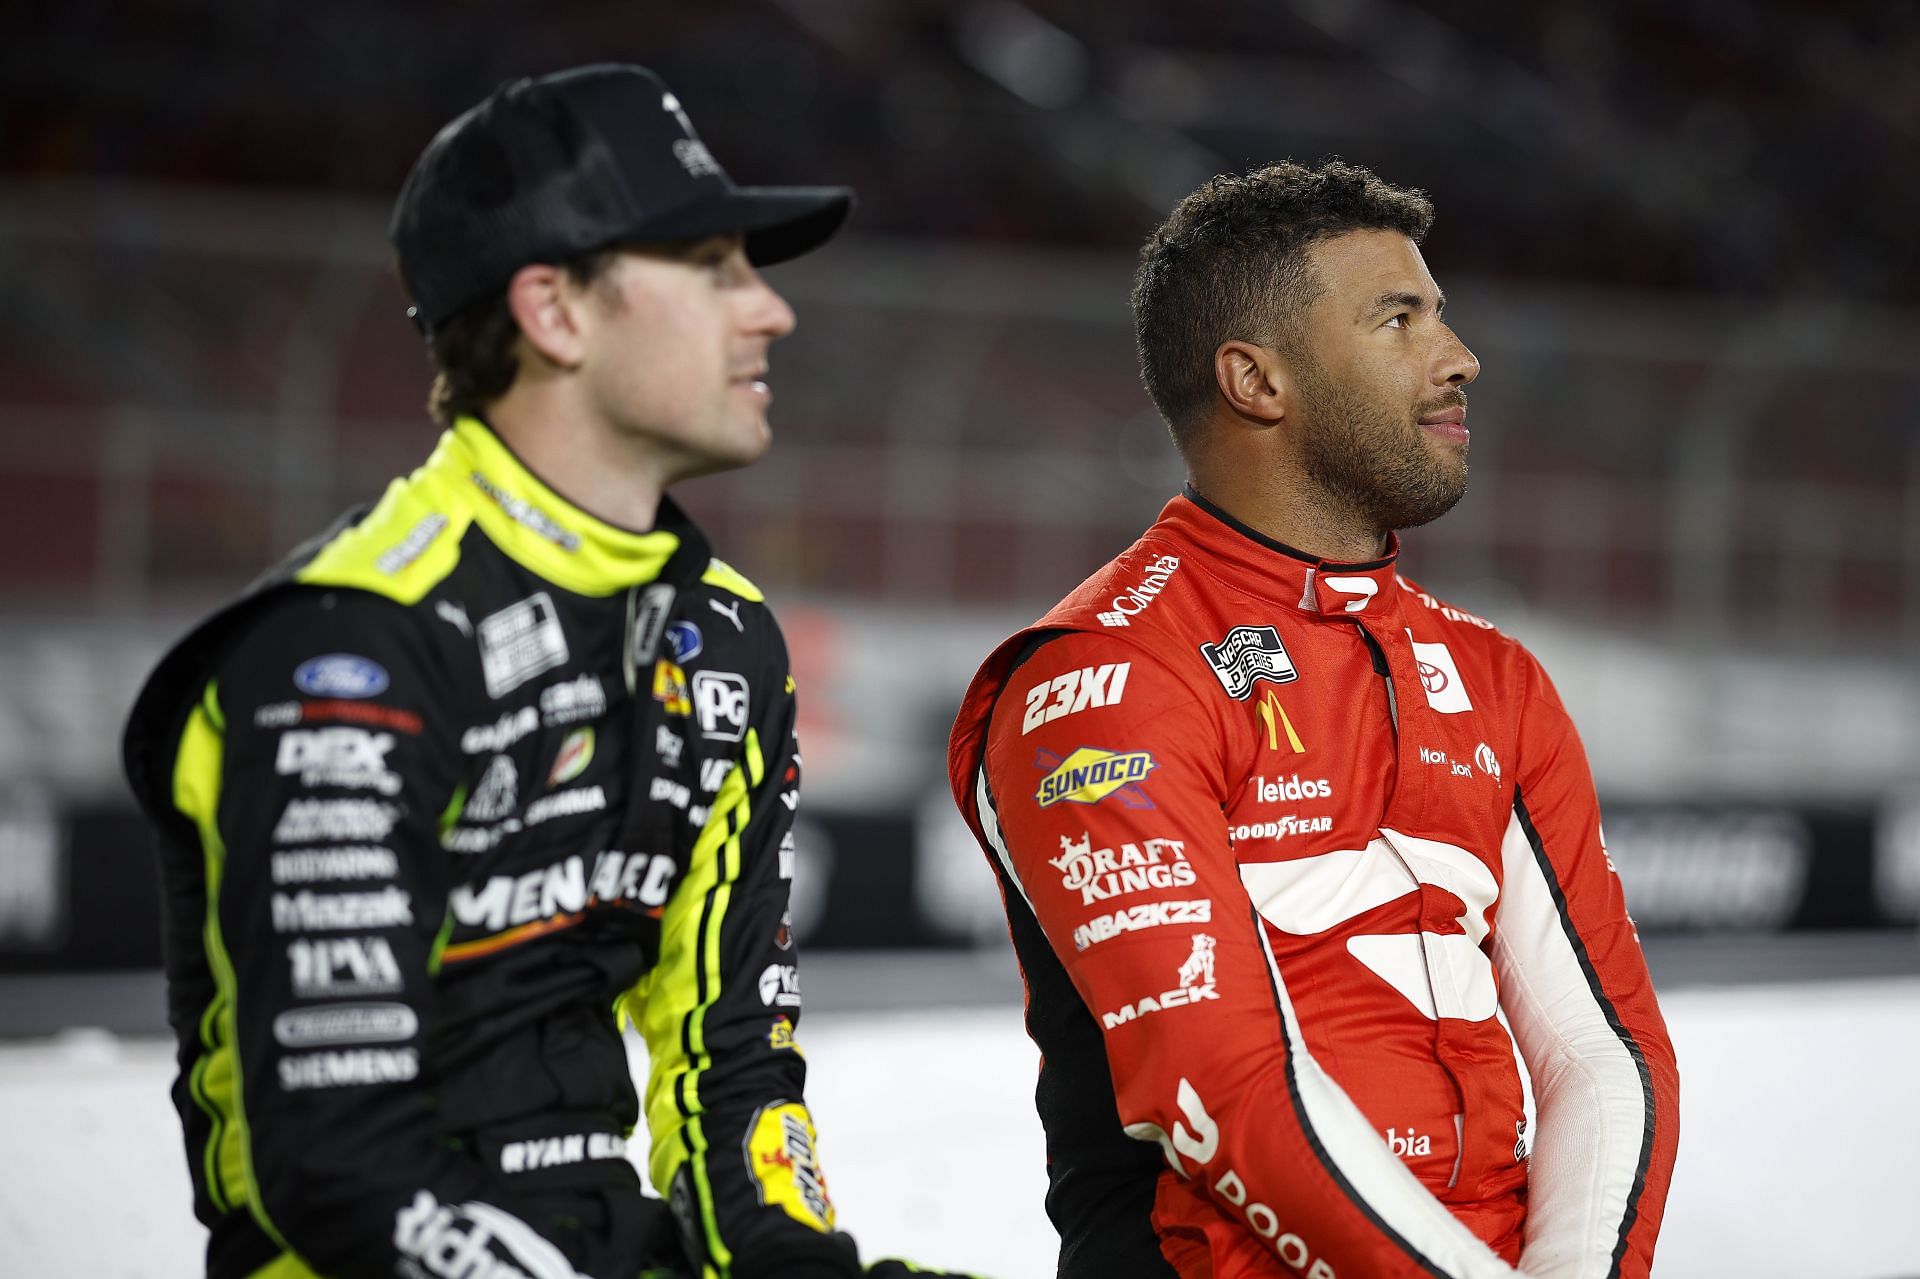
(1296, 859)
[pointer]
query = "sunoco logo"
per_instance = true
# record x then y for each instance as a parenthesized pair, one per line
(1134, 601)
(1089, 775)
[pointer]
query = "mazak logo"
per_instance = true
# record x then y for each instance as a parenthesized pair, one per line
(350, 758)
(1089, 688)
(1134, 600)
(1196, 985)
(720, 698)
(1246, 655)
(1090, 774)
(310, 912)
(1101, 874)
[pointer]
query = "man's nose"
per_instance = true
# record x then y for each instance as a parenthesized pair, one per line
(769, 314)
(1456, 365)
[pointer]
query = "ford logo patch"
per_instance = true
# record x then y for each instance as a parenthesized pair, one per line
(684, 639)
(340, 675)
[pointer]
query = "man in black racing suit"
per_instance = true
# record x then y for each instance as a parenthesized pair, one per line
(480, 774)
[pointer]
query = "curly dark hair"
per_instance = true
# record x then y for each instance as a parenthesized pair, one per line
(1230, 262)
(474, 361)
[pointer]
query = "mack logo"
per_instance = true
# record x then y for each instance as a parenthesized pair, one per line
(1196, 985)
(506, 901)
(1090, 774)
(1089, 688)
(1245, 656)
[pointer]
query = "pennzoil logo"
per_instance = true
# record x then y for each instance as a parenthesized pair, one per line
(785, 1170)
(670, 688)
(1090, 774)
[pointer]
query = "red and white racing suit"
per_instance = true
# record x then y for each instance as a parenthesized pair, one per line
(1295, 857)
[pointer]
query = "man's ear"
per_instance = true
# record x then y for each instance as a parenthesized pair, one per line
(551, 313)
(1254, 381)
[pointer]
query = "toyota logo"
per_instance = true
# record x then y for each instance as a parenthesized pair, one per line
(1432, 677)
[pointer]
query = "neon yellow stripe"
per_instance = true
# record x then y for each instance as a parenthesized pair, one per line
(197, 773)
(286, 1266)
(668, 1006)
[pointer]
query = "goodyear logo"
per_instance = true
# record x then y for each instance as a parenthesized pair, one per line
(1089, 775)
(780, 1155)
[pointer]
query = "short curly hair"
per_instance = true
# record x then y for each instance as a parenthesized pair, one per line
(1230, 262)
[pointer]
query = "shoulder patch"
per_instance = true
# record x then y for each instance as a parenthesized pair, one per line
(725, 576)
(403, 548)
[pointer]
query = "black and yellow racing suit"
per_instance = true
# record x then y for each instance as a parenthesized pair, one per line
(469, 783)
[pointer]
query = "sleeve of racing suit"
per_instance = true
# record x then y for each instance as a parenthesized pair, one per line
(318, 820)
(1574, 987)
(1215, 1071)
(732, 1139)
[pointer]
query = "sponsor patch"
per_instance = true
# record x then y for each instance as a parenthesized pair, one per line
(472, 1240)
(780, 1038)
(1440, 678)
(350, 758)
(563, 888)
(575, 754)
(721, 697)
(345, 1024)
(785, 1170)
(397, 557)
(572, 700)
(780, 984)
(493, 738)
(519, 642)
(307, 821)
(528, 515)
(356, 1068)
(1134, 600)
(1274, 716)
(1489, 762)
(317, 865)
(684, 641)
(557, 1152)
(335, 711)
(311, 912)
(670, 688)
(668, 745)
(1089, 688)
(496, 794)
(1099, 874)
(566, 803)
(1133, 919)
(1246, 655)
(1196, 985)
(1090, 774)
(341, 675)
(1291, 789)
(1281, 828)
(342, 966)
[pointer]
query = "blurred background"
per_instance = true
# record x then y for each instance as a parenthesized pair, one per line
(1680, 236)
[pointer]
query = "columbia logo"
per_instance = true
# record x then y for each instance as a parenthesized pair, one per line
(1112, 619)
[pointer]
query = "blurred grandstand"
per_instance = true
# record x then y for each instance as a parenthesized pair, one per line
(1679, 237)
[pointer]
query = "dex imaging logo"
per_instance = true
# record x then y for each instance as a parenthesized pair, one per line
(1246, 655)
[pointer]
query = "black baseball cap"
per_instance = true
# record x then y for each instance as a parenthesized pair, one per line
(559, 165)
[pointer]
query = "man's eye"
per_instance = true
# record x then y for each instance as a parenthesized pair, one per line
(1400, 321)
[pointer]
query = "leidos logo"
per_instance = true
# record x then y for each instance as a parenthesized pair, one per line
(1090, 774)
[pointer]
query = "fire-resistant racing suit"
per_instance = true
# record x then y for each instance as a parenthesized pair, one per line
(1286, 847)
(468, 781)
